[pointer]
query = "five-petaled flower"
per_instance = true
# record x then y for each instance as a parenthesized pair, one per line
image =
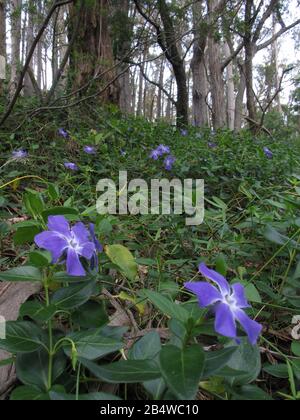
(169, 162)
(63, 133)
(229, 303)
(268, 153)
(19, 154)
(90, 150)
(155, 155)
(68, 243)
(71, 166)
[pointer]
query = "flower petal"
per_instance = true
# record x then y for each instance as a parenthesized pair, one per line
(53, 242)
(216, 278)
(225, 322)
(252, 328)
(59, 224)
(240, 296)
(98, 246)
(74, 266)
(81, 233)
(87, 250)
(206, 293)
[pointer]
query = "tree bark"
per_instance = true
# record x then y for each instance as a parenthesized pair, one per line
(200, 83)
(216, 70)
(16, 6)
(175, 58)
(2, 44)
(239, 102)
(92, 52)
(249, 57)
(230, 87)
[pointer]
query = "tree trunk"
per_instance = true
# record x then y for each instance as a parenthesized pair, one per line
(160, 93)
(200, 84)
(239, 102)
(124, 46)
(216, 71)
(174, 56)
(230, 90)
(249, 56)
(16, 6)
(28, 85)
(92, 53)
(2, 44)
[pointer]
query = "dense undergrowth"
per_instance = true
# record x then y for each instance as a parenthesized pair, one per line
(251, 234)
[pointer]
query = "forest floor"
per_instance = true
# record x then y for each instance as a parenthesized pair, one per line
(251, 229)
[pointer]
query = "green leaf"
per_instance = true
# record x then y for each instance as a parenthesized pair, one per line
(28, 393)
(53, 191)
(93, 396)
(250, 393)
(24, 273)
(147, 347)
(278, 371)
(182, 370)
(125, 371)
(22, 337)
(38, 311)
(274, 236)
(92, 345)
(91, 315)
(73, 296)
(246, 359)
(166, 306)
(123, 258)
(217, 360)
(34, 203)
(26, 234)
(40, 259)
(296, 348)
(32, 369)
(59, 211)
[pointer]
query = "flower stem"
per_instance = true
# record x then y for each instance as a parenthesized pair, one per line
(50, 333)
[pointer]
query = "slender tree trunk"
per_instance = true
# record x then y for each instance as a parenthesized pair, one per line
(175, 58)
(16, 7)
(275, 60)
(2, 44)
(249, 57)
(28, 85)
(200, 83)
(239, 102)
(216, 71)
(160, 93)
(230, 90)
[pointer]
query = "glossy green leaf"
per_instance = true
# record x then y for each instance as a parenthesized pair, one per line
(24, 273)
(125, 371)
(182, 370)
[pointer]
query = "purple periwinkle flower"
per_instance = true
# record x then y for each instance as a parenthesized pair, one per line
(19, 154)
(268, 153)
(163, 150)
(228, 302)
(155, 154)
(184, 133)
(63, 133)
(123, 153)
(212, 145)
(71, 166)
(69, 243)
(90, 150)
(169, 162)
